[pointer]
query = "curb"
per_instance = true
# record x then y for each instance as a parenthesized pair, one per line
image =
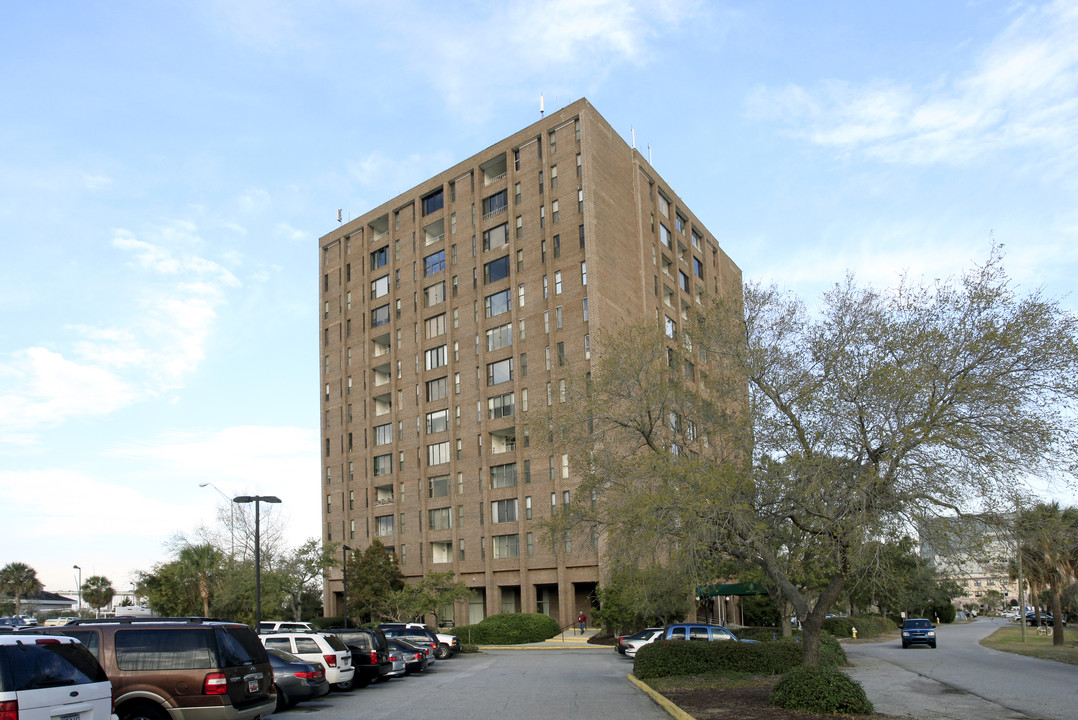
(673, 710)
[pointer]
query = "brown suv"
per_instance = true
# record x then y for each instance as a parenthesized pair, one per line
(180, 668)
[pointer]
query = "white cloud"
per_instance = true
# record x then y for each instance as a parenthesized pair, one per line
(171, 306)
(1022, 92)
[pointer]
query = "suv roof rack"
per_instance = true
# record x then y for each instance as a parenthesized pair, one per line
(130, 620)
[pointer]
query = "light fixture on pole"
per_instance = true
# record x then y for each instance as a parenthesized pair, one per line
(344, 581)
(76, 567)
(231, 516)
(257, 499)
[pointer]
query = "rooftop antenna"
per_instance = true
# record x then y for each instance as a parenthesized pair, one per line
(649, 155)
(633, 131)
(340, 217)
(542, 112)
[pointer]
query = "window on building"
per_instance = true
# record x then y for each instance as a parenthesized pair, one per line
(664, 205)
(383, 434)
(437, 421)
(436, 357)
(503, 475)
(440, 519)
(434, 294)
(664, 235)
(383, 525)
(495, 204)
(500, 406)
(380, 316)
(380, 257)
(557, 282)
(433, 202)
(500, 371)
(497, 303)
(496, 270)
(503, 511)
(499, 337)
(438, 453)
(506, 546)
(434, 263)
(437, 389)
(438, 486)
(434, 326)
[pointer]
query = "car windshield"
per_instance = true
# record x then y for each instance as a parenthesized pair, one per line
(918, 624)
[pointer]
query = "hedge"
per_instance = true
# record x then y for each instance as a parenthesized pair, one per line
(664, 658)
(509, 629)
(867, 625)
(820, 690)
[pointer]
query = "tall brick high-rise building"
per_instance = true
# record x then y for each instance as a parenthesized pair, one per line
(445, 315)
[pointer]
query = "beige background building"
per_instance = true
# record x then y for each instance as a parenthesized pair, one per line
(445, 315)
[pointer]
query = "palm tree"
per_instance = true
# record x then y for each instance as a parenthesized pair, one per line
(1049, 536)
(19, 579)
(97, 592)
(202, 563)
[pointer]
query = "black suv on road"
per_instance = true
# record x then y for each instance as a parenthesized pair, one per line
(370, 653)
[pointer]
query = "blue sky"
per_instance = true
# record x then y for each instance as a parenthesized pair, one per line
(166, 169)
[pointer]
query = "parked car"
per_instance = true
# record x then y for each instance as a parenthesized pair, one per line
(44, 677)
(447, 644)
(699, 631)
(370, 653)
(918, 631)
(14, 622)
(179, 668)
(619, 647)
(29, 620)
(400, 667)
(1046, 619)
(268, 626)
(318, 647)
(296, 679)
(416, 659)
(633, 645)
(62, 620)
(417, 635)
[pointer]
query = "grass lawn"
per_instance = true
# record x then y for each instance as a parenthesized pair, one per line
(1009, 639)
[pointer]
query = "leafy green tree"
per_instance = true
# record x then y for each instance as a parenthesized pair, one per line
(832, 427)
(98, 592)
(300, 573)
(202, 565)
(19, 580)
(634, 597)
(373, 576)
(416, 602)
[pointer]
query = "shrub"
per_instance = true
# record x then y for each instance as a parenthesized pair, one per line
(821, 690)
(509, 629)
(666, 658)
(945, 612)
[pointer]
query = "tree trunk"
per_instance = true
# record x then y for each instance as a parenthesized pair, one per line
(1057, 616)
(811, 628)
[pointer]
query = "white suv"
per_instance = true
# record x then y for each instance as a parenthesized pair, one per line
(324, 648)
(45, 676)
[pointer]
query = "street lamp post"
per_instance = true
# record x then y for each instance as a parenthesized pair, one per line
(76, 567)
(257, 499)
(344, 581)
(231, 517)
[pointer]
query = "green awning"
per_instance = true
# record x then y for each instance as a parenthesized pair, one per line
(749, 588)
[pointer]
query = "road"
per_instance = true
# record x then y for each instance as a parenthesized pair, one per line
(962, 680)
(536, 684)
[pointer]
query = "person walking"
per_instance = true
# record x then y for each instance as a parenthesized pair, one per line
(582, 619)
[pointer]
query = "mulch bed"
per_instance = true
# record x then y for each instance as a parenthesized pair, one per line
(740, 703)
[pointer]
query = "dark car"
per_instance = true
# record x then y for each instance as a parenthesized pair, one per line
(370, 653)
(417, 636)
(918, 631)
(295, 679)
(700, 631)
(1046, 619)
(179, 668)
(416, 659)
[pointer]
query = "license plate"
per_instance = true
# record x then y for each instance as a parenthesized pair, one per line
(69, 716)
(252, 687)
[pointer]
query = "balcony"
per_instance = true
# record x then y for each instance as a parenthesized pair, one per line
(379, 228)
(383, 404)
(503, 441)
(434, 232)
(383, 495)
(494, 170)
(382, 375)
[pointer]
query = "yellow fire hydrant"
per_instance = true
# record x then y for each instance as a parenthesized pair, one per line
(854, 631)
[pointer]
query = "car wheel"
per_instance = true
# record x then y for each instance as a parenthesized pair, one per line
(905, 645)
(282, 699)
(142, 711)
(345, 686)
(441, 652)
(361, 682)
(933, 646)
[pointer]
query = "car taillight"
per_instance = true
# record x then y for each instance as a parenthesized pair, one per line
(215, 684)
(9, 710)
(419, 656)
(48, 641)
(313, 675)
(331, 660)
(374, 657)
